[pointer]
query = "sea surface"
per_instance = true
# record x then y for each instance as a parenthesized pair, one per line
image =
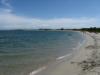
(22, 52)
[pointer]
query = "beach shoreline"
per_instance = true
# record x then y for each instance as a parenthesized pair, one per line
(61, 66)
(75, 66)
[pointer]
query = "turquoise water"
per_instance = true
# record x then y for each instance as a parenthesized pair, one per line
(21, 52)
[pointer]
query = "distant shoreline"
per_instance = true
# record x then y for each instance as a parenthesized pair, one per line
(91, 29)
(38, 30)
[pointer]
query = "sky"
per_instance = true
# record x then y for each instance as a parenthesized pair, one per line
(34, 14)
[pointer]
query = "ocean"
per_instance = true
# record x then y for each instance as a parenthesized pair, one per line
(23, 51)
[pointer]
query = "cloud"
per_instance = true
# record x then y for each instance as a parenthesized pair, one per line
(6, 3)
(9, 20)
(12, 21)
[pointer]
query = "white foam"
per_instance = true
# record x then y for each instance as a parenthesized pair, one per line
(37, 71)
(59, 58)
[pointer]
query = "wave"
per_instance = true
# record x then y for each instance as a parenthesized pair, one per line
(74, 50)
(37, 71)
(59, 58)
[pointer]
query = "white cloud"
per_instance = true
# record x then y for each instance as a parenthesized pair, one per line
(6, 3)
(8, 20)
(6, 6)
(12, 21)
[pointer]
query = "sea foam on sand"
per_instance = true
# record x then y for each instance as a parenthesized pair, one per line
(37, 71)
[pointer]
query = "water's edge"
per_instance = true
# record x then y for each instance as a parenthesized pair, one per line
(60, 59)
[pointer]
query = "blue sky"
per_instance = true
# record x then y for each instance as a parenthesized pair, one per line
(33, 14)
(56, 8)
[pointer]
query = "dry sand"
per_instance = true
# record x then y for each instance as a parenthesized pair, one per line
(85, 61)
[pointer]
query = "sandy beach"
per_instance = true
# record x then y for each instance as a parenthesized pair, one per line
(84, 61)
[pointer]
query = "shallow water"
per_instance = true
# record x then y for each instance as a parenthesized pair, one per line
(24, 51)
